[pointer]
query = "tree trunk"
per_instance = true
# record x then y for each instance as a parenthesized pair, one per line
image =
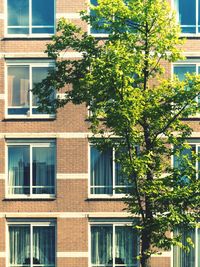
(145, 260)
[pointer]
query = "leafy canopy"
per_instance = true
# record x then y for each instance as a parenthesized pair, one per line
(121, 78)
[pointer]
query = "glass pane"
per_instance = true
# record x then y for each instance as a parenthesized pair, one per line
(181, 70)
(18, 30)
(18, 170)
(101, 171)
(18, 111)
(38, 74)
(181, 163)
(19, 245)
(122, 185)
(43, 30)
(182, 258)
(18, 86)
(101, 245)
(187, 11)
(43, 170)
(18, 12)
(126, 245)
(187, 29)
(44, 245)
(100, 23)
(185, 153)
(42, 12)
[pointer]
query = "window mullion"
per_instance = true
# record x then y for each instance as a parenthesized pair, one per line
(196, 246)
(30, 88)
(113, 245)
(114, 173)
(31, 244)
(30, 16)
(31, 170)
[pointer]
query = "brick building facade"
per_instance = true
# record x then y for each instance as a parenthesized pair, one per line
(51, 213)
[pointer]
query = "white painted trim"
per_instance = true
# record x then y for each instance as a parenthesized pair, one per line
(75, 176)
(38, 54)
(64, 215)
(70, 55)
(68, 135)
(64, 135)
(195, 135)
(72, 254)
(2, 97)
(61, 95)
(70, 215)
(108, 214)
(72, 15)
(2, 254)
(167, 254)
(191, 53)
(22, 54)
(45, 135)
(2, 176)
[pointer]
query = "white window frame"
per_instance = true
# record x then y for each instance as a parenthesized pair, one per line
(31, 146)
(31, 223)
(30, 64)
(97, 35)
(197, 22)
(114, 225)
(191, 142)
(30, 34)
(188, 62)
(113, 195)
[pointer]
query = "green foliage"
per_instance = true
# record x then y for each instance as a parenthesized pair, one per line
(121, 80)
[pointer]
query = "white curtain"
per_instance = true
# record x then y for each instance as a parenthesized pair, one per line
(19, 170)
(44, 245)
(18, 86)
(181, 257)
(43, 170)
(101, 171)
(126, 245)
(19, 243)
(102, 245)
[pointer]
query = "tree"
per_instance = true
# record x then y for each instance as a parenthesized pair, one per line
(121, 80)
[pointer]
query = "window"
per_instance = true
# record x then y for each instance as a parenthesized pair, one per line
(97, 31)
(185, 155)
(21, 78)
(113, 245)
(188, 15)
(30, 17)
(31, 244)
(180, 71)
(31, 168)
(183, 259)
(105, 173)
